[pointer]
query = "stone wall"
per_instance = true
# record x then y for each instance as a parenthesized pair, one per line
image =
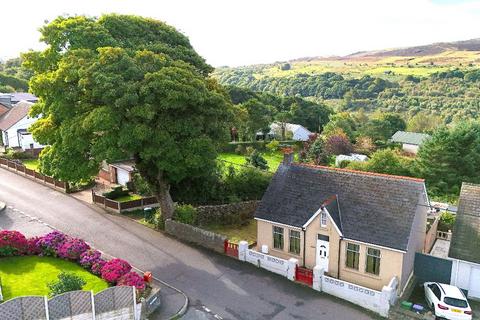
(233, 213)
(195, 235)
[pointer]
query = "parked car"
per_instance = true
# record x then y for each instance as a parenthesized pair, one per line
(447, 302)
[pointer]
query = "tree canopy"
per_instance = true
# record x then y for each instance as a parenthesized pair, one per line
(119, 87)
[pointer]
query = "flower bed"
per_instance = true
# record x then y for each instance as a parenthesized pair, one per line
(58, 245)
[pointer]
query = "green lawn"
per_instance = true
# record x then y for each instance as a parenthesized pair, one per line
(23, 276)
(31, 164)
(129, 197)
(273, 159)
(236, 233)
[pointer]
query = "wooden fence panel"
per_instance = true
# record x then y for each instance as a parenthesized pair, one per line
(49, 180)
(112, 204)
(4, 161)
(149, 200)
(20, 167)
(30, 172)
(131, 204)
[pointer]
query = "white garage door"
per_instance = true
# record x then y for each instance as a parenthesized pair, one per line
(474, 288)
(122, 177)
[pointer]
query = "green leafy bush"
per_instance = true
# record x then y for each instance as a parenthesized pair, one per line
(256, 160)
(273, 145)
(240, 149)
(447, 220)
(185, 213)
(141, 186)
(66, 282)
(117, 192)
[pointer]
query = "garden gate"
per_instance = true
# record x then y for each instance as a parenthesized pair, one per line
(304, 275)
(231, 249)
(424, 264)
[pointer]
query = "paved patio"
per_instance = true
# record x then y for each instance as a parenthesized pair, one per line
(440, 248)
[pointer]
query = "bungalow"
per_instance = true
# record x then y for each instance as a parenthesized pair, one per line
(14, 126)
(465, 243)
(360, 227)
(294, 131)
(411, 141)
(10, 99)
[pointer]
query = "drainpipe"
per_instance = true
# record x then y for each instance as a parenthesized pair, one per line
(304, 245)
(339, 252)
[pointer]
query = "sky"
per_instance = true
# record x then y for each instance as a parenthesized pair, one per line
(243, 32)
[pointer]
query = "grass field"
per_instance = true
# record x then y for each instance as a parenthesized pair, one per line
(31, 164)
(236, 233)
(23, 276)
(273, 159)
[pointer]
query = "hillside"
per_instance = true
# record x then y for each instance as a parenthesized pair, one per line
(441, 78)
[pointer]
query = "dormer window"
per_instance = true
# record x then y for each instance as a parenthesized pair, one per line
(323, 218)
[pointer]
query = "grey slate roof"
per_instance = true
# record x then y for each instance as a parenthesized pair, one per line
(15, 114)
(371, 208)
(409, 137)
(465, 244)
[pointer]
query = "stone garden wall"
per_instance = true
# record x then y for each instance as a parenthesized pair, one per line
(233, 213)
(195, 235)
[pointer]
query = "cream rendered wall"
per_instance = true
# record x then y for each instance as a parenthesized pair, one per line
(390, 266)
(24, 123)
(265, 237)
(315, 228)
(412, 148)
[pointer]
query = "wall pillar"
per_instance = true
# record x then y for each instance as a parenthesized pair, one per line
(242, 250)
(317, 278)
(292, 267)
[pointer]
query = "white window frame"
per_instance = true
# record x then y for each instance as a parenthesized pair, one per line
(379, 257)
(299, 238)
(323, 218)
(281, 234)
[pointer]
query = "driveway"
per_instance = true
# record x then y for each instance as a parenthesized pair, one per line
(217, 286)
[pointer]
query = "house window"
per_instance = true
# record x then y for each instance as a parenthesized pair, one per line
(294, 242)
(373, 261)
(323, 218)
(353, 255)
(278, 238)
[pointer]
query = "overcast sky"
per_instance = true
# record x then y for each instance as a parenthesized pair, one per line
(240, 32)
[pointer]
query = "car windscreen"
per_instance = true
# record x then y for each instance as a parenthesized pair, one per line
(460, 303)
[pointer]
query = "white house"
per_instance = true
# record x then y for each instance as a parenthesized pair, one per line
(14, 126)
(411, 141)
(351, 157)
(297, 132)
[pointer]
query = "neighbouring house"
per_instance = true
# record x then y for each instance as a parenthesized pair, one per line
(360, 227)
(465, 243)
(411, 141)
(350, 158)
(3, 108)
(292, 131)
(120, 172)
(10, 99)
(14, 126)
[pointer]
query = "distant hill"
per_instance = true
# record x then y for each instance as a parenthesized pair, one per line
(421, 51)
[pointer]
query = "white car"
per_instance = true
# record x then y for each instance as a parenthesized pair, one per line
(447, 302)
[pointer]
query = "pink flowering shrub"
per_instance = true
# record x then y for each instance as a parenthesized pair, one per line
(89, 257)
(132, 279)
(33, 246)
(50, 243)
(72, 249)
(114, 269)
(12, 243)
(98, 266)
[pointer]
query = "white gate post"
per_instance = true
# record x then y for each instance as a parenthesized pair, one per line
(317, 278)
(292, 266)
(242, 250)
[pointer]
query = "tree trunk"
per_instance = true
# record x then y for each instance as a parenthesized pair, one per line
(164, 198)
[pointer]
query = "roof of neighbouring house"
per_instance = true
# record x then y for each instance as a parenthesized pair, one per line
(410, 137)
(127, 165)
(289, 127)
(15, 114)
(465, 244)
(373, 208)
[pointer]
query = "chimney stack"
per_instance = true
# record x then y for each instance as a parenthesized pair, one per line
(287, 156)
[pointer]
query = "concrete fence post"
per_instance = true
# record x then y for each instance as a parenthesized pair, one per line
(292, 267)
(242, 250)
(317, 278)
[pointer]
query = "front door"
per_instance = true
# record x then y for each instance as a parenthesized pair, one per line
(323, 250)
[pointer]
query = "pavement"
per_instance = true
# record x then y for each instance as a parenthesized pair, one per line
(217, 286)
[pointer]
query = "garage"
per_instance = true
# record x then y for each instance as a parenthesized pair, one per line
(123, 172)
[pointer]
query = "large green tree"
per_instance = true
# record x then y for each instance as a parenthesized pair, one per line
(451, 157)
(125, 87)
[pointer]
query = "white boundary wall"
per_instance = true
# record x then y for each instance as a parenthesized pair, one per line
(376, 301)
(273, 264)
